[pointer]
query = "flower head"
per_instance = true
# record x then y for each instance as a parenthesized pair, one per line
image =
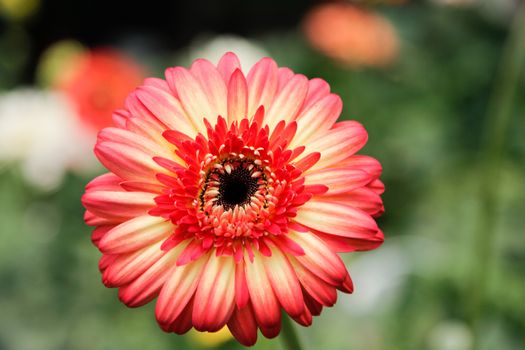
(229, 197)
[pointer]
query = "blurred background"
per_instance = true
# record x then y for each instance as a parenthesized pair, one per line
(436, 83)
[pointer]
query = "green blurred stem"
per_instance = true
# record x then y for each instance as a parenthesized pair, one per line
(497, 124)
(289, 335)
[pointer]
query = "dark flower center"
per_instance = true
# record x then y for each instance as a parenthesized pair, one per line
(236, 187)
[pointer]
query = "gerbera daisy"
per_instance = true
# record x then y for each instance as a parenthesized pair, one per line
(229, 196)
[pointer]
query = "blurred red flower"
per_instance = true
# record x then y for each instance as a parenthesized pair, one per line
(351, 35)
(98, 82)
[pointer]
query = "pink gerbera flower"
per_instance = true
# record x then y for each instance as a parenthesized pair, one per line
(229, 197)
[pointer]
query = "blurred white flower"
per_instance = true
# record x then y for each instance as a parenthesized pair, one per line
(450, 335)
(248, 51)
(379, 276)
(499, 10)
(40, 130)
(455, 2)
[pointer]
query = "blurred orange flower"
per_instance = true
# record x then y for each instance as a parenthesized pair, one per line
(98, 82)
(387, 2)
(351, 35)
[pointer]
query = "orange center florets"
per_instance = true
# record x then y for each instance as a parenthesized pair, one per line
(238, 185)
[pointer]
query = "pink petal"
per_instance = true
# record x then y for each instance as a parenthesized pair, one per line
(262, 85)
(338, 180)
(100, 232)
(242, 325)
(118, 205)
(104, 182)
(237, 97)
(347, 286)
(134, 234)
(192, 96)
(178, 290)
(192, 252)
(288, 101)
(127, 267)
(312, 305)
(242, 295)
(139, 186)
(94, 220)
(146, 287)
(316, 120)
(323, 292)
(271, 332)
(284, 282)
(134, 140)
(150, 130)
(214, 299)
(166, 108)
(337, 144)
(213, 85)
(157, 83)
(227, 65)
(308, 161)
(127, 162)
(365, 163)
(337, 218)
(105, 261)
(119, 118)
(363, 199)
(137, 109)
(285, 75)
(264, 303)
(344, 245)
(183, 323)
(319, 259)
(317, 89)
(305, 318)
(287, 245)
(377, 186)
